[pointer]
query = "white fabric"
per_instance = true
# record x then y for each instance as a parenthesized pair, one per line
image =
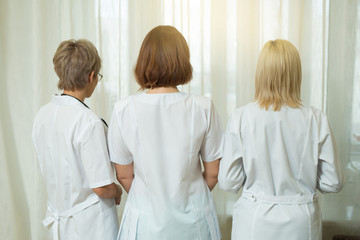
(70, 141)
(280, 158)
(225, 38)
(55, 217)
(165, 135)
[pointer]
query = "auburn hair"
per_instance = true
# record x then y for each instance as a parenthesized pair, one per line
(164, 59)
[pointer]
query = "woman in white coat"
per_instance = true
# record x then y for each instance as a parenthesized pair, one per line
(156, 139)
(71, 145)
(280, 152)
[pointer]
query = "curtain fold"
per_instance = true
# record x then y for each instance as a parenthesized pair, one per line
(225, 38)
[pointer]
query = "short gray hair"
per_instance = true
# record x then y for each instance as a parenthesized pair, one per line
(74, 61)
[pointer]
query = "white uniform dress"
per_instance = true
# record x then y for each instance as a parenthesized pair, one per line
(70, 141)
(280, 159)
(164, 135)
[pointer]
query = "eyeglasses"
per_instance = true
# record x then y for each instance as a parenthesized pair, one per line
(100, 76)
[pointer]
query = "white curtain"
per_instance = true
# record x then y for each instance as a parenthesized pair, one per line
(225, 38)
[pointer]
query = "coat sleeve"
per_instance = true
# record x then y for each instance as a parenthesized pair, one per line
(119, 152)
(329, 174)
(231, 174)
(95, 156)
(211, 147)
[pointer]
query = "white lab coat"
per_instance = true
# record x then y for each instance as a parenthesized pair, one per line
(164, 135)
(280, 159)
(70, 142)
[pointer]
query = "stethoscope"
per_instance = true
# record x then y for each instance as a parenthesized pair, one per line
(63, 94)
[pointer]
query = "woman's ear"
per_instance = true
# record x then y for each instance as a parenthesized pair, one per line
(91, 76)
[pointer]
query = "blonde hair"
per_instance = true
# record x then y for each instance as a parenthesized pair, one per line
(278, 76)
(74, 61)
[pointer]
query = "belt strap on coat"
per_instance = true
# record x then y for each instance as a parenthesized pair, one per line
(55, 217)
(281, 200)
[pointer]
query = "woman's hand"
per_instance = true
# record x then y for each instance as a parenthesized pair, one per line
(109, 191)
(118, 195)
